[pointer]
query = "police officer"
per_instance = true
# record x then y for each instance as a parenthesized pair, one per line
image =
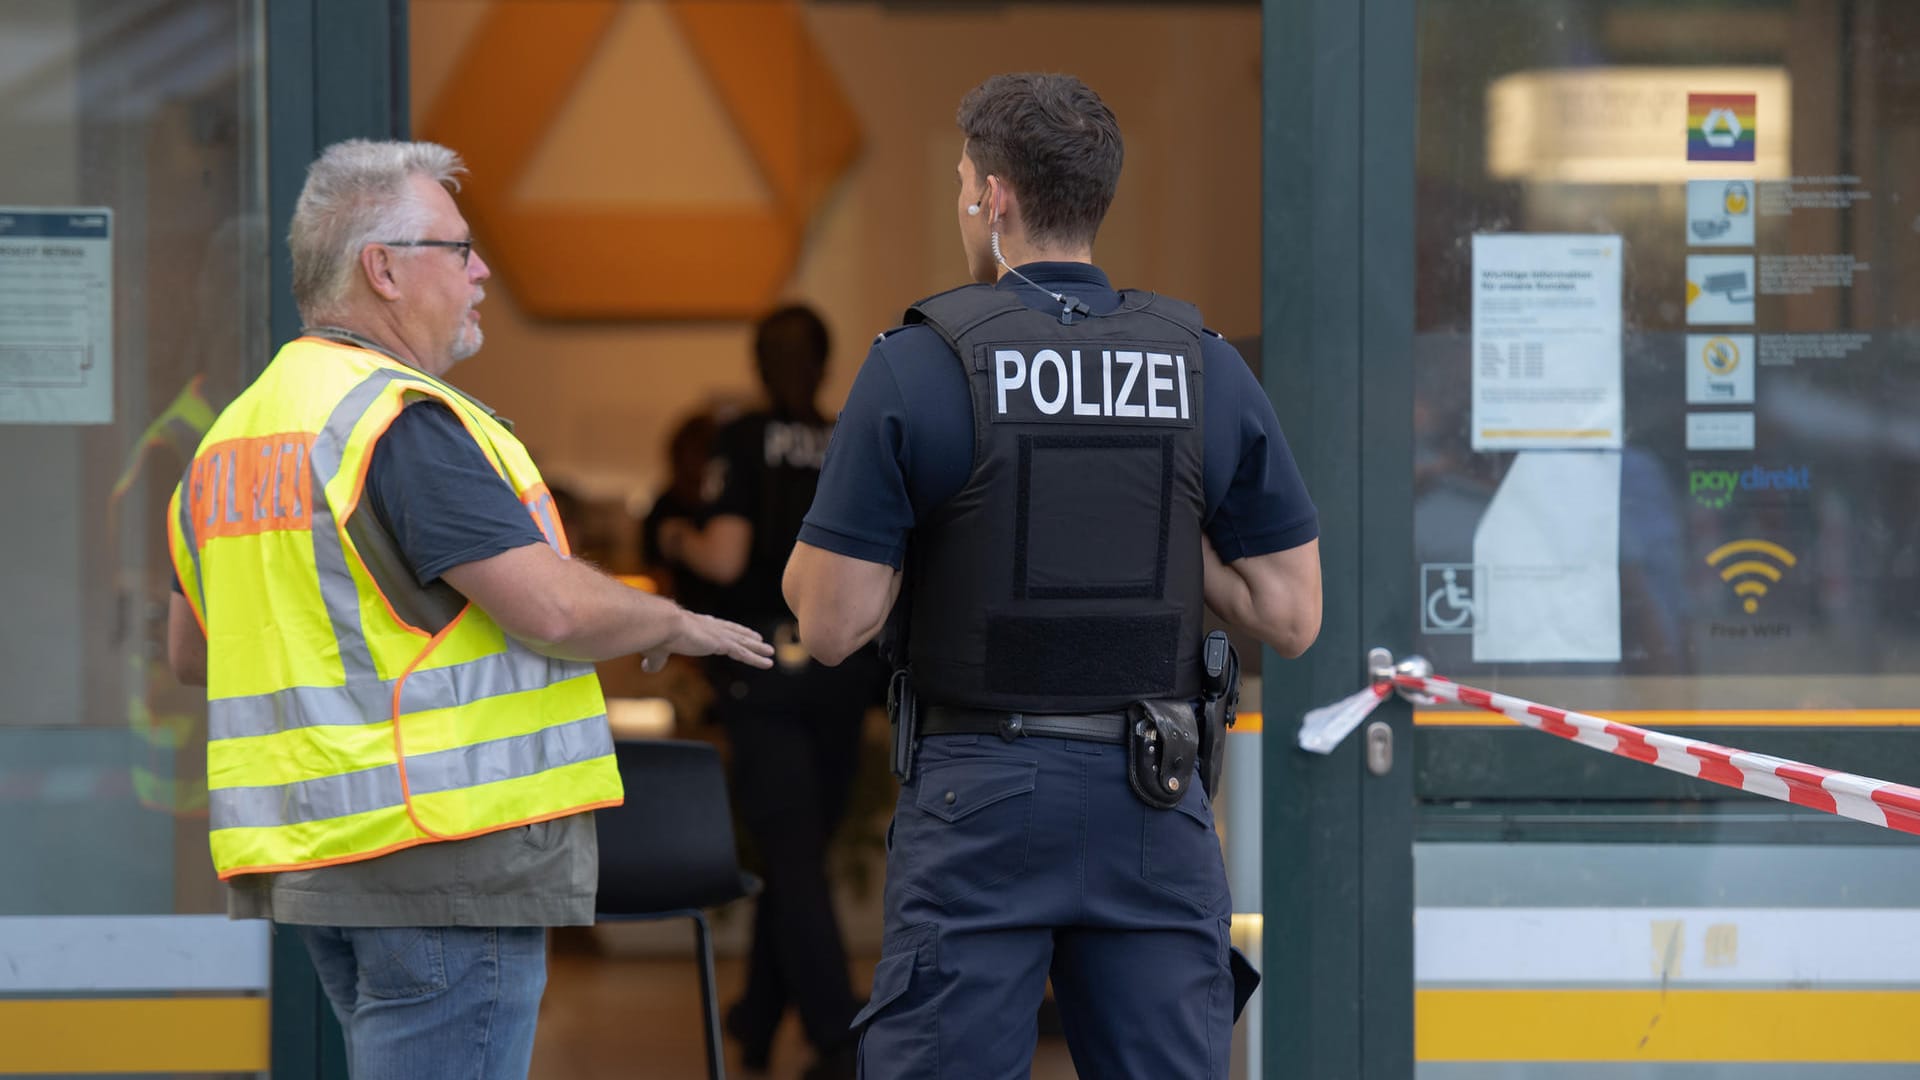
(794, 729)
(1055, 478)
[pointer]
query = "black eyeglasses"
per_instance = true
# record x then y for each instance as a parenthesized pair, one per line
(465, 247)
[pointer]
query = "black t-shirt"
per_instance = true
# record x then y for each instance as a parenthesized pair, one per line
(433, 490)
(769, 466)
(666, 507)
(690, 589)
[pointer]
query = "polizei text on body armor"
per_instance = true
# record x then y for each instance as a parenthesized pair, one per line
(1128, 383)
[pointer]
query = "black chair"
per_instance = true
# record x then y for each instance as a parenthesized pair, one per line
(668, 852)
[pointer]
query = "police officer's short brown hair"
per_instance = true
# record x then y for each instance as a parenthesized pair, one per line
(1055, 141)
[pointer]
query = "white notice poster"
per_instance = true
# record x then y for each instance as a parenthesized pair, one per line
(1546, 342)
(56, 315)
(1548, 555)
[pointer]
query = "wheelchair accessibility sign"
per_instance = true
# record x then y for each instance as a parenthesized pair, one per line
(1450, 599)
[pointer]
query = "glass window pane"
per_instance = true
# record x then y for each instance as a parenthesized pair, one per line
(1664, 459)
(133, 269)
(1754, 388)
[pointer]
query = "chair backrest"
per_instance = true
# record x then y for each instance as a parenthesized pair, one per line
(670, 846)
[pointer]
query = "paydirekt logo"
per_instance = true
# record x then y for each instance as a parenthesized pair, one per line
(1715, 488)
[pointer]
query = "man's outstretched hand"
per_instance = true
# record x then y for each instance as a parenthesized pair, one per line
(704, 635)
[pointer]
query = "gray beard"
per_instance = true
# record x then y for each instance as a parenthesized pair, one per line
(467, 343)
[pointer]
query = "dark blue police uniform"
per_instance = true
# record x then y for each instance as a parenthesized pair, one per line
(795, 731)
(1017, 856)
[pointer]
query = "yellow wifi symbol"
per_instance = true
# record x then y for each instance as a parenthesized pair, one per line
(1750, 577)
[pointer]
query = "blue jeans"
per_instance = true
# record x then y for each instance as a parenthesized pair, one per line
(426, 1002)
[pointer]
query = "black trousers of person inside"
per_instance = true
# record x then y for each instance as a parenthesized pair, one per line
(793, 770)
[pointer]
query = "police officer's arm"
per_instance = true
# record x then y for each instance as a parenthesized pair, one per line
(717, 552)
(186, 645)
(843, 577)
(564, 608)
(1262, 550)
(1275, 597)
(840, 602)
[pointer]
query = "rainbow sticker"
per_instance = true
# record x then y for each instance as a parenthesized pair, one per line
(1720, 127)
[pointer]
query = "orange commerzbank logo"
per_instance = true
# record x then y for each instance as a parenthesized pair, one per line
(243, 487)
(595, 261)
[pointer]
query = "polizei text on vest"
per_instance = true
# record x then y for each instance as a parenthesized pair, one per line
(1041, 383)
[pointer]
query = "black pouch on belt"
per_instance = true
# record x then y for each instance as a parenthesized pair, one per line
(903, 709)
(1219, 699)
(1162, 740)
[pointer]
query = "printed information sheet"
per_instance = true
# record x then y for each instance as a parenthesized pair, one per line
(56, 315)
(1546, 342)
(1548, 550)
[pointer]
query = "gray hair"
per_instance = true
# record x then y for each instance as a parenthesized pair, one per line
(358, 193)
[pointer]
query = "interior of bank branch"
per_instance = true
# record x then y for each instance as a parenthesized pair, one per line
(1574, 312)
(849, 210)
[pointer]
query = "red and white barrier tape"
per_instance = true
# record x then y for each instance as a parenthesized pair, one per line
(1876, 802)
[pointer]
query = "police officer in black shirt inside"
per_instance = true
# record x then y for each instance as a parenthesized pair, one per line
(685, 498)
(1054, 479)
(794, 730)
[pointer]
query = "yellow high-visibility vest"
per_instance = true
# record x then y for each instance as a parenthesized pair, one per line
(351, 713)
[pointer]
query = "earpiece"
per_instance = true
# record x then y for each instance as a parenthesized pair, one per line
(974, 210)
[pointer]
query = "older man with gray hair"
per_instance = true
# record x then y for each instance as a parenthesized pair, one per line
(406, 739)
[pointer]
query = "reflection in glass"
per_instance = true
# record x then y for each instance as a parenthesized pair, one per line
(147, 116)
(1791, 430)
(1756, 161)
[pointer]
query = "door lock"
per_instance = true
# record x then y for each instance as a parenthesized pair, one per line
(1379, 748)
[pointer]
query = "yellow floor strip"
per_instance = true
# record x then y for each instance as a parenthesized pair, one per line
(1669, 718)
(134, 1035)
(1680, 1025)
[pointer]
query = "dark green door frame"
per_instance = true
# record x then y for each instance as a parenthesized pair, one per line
(339, 77)
(1337, 334)
(328, 78)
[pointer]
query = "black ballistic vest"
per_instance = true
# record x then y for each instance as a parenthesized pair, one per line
(1065, 576)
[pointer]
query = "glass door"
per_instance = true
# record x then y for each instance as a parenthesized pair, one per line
(1589, 322)
(1663, 471)
(133, 268)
